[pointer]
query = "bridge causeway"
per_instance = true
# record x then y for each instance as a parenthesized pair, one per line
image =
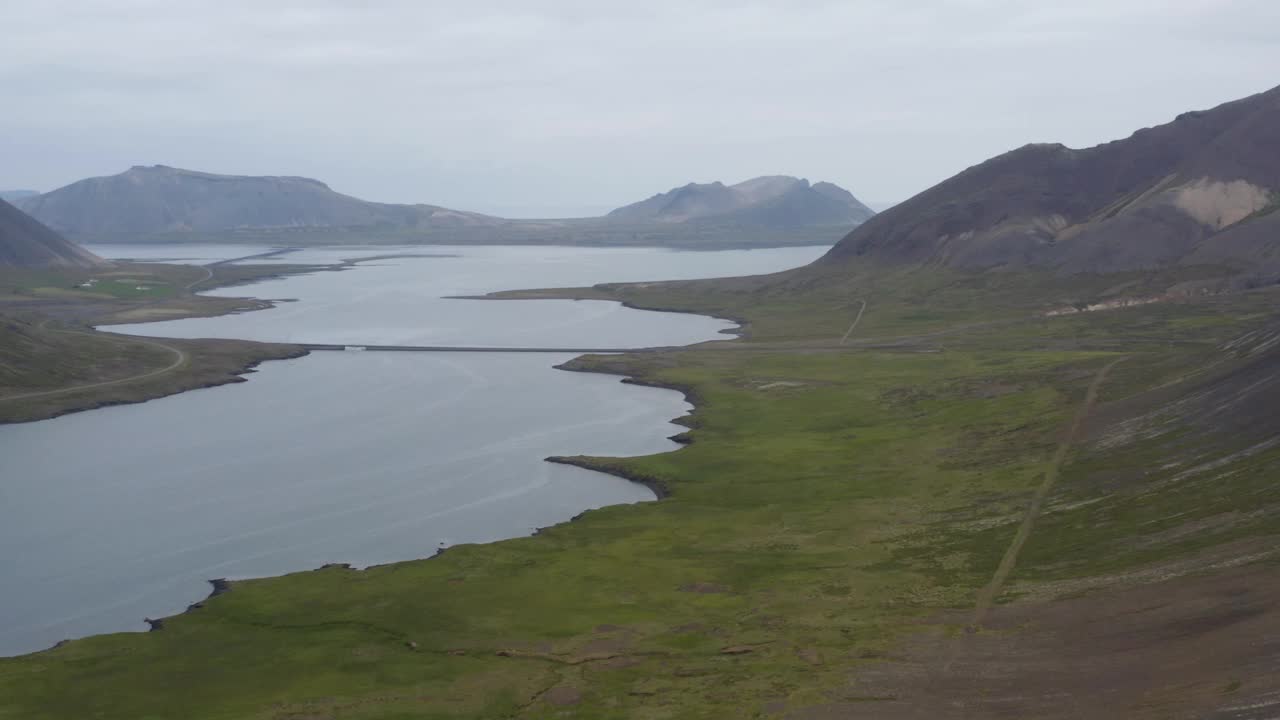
(353, 347)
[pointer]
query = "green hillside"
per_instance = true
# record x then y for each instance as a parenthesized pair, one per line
(828, 541)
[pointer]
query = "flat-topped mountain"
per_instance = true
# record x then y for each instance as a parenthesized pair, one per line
(1204, 188)
(771, 201)
(159, 199)
(26, 243)
(16, 195)
(160, 203)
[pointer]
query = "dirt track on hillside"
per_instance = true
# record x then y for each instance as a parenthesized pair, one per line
(180, 359)
(992, 591)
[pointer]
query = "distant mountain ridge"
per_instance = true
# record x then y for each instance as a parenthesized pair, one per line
(165, 203)
(772, 201)
(25, 243)
(1203, 189)
(12, 196)
(160, 199)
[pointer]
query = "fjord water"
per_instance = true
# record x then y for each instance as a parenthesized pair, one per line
(114, 515)
(407, 301)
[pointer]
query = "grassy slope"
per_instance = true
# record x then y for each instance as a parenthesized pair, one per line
(45, 344)
(33, 359)
(36, 359)
(831, 501)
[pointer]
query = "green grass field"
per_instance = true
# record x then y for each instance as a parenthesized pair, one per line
(832, 501)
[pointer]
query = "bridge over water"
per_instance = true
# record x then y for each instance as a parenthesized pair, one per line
(465, 349)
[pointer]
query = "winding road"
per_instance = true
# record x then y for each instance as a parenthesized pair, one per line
(180, 359)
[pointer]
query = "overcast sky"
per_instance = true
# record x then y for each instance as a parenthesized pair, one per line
(550, 107)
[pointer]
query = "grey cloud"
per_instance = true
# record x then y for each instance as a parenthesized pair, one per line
(567, 103)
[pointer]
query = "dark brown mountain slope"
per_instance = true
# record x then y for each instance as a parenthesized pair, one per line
(1199, 189)
(24, 242)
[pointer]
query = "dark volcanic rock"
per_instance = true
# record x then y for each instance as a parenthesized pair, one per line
(1199, 189)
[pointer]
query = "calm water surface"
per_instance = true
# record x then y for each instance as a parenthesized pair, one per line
(114, 515)
(406, 301)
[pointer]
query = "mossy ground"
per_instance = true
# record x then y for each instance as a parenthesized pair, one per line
(833, 500)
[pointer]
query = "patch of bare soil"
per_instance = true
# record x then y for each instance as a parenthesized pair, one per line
(562, 695)
(1205, 646)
